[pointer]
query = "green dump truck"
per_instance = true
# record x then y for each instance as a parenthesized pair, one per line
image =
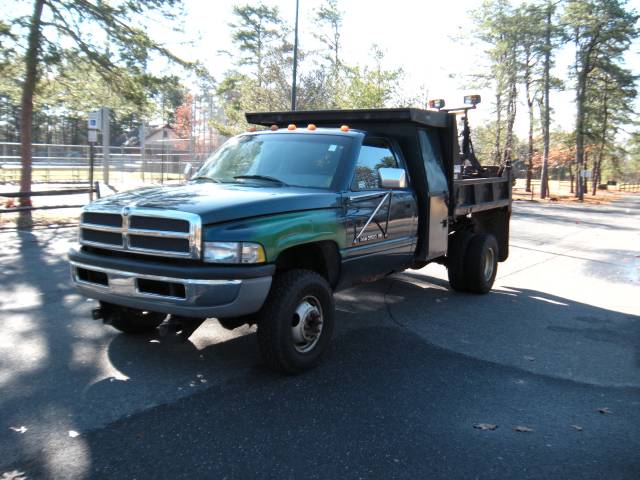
(278, 219)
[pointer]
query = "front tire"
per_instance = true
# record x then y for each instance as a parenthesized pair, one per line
(296, 322)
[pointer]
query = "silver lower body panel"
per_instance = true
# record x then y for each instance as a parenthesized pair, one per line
(177, 296)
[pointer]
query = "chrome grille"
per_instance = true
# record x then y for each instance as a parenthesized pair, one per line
(148, 231)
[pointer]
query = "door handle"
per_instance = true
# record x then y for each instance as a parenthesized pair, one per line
(444, 223)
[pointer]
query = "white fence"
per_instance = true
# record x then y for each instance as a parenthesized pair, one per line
(156, 163)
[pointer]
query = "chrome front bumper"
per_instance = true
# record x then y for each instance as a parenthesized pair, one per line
(201, 298)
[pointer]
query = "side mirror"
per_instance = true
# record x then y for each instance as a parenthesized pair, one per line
(392, 177)
(188, 170)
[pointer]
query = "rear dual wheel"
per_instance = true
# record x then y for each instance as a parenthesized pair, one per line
(473, 262)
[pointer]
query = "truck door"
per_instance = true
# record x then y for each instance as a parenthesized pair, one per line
(438, 194)
(381, 222)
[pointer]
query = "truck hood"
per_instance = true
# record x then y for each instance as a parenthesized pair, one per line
(217, 203)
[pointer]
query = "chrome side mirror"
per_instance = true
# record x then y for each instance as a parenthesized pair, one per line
(392, 177)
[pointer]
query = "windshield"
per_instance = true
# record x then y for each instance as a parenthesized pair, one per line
(298, 159)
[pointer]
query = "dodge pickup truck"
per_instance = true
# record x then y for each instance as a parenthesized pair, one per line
(279, 218)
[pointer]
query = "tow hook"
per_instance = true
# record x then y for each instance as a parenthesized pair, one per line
(97, 313)
(177, 326)
(104, 312)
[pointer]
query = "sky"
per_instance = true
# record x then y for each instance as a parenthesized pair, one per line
(421, 37)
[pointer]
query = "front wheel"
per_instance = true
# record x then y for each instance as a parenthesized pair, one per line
(296, 322)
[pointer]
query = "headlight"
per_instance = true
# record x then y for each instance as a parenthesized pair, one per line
(233, 252)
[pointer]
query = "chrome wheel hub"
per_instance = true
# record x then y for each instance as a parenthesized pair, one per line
(306, 324)
(488, 264)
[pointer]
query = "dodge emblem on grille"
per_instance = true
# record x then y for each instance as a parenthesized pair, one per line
(125, 211)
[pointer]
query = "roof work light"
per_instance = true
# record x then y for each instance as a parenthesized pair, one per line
(437, 103)
(472, 100)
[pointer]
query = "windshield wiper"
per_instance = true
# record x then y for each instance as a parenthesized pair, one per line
(203, 177)
(261, 177)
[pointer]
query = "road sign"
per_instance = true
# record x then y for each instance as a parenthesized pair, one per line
(95, 120)
(93, 136)
(586, 173)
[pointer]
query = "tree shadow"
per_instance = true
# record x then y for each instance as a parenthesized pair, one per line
(412, 368)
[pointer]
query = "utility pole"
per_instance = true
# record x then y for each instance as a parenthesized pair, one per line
(295, 62)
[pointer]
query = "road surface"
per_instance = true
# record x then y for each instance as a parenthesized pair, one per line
(413, 367)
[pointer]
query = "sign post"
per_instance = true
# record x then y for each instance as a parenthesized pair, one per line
(95, 124)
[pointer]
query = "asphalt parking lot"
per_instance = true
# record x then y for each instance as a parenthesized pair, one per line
(554, 348)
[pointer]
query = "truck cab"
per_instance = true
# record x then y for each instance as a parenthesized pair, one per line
(281, 217)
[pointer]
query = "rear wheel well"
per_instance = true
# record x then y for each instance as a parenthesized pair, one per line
(320, 257)
(494, 222)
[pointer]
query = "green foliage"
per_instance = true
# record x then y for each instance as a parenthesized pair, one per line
(521, 43)
(86, 55)
(256, 28)
(602, 31)
(263, 82)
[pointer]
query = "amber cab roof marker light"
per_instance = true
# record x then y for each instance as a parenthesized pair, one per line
(311, 127)
(252, 129)
(274, 128)
(291, 127)
(344, 128)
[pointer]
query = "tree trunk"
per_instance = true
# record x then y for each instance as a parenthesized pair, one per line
(580, 153)
(595, 176)
(530, 101)
(571, 179)
(496, 148)
(544, 173)
(28, 88)
(512, 100)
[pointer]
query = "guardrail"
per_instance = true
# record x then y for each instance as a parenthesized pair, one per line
(629, 187)
(91, 189)
(155, 163)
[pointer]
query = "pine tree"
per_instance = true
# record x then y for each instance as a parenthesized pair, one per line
(120, 60)
(602, 31)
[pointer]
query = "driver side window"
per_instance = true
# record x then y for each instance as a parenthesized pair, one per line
(375, 153)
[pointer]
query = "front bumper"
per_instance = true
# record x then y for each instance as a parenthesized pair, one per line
(201, 291)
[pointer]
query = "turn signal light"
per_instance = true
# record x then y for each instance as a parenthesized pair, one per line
(291, 127)
(344, 128)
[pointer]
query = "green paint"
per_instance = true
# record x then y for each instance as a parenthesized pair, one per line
(277, 233)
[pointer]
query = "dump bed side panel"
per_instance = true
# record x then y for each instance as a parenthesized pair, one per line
(480, 194)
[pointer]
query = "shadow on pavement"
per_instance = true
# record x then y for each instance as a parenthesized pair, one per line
(412, 368)
(384, 405)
